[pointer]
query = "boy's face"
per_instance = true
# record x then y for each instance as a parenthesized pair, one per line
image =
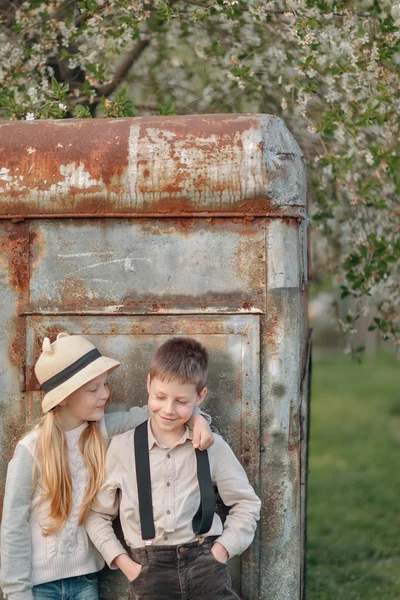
(171, 403)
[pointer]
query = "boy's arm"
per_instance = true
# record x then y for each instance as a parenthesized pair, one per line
(99, 521)
(16, 544)
(119, 422)
(236, 492)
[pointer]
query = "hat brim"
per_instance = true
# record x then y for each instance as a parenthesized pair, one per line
(101, 365)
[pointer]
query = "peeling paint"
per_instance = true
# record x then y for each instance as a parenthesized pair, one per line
(5, 174)
(209, 165)
(73, 176)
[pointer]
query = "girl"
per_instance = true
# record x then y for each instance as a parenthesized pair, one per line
(56, 472)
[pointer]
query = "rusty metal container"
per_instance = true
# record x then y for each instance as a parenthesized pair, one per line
(131, 230)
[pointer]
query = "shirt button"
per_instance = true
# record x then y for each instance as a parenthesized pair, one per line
(168, 456)
(165, 537)
(168, 484)
(168, 512)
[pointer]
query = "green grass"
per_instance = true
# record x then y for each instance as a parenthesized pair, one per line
(354, 480)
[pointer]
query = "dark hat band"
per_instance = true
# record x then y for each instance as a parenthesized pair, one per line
(71, 370)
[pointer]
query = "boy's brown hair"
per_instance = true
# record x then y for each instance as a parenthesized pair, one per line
(181, 358)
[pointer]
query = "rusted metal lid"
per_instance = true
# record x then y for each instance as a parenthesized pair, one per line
(198, 165)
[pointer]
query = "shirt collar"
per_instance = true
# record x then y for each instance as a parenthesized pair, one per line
(187, 435)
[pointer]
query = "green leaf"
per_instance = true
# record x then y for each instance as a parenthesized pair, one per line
(81, 112)
(168, 108)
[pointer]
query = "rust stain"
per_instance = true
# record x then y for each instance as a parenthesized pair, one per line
(31, 383)
(204, 126)
(14, 260)
(99, 168)
(171, 206)
(71, 144)
(88, 207)
(246, 226)
(203, 301)
(14, 244)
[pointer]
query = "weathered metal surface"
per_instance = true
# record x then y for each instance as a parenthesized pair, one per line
(238, 283)
(194, 165)
(280, 427)
(233, 342)
(212, 265)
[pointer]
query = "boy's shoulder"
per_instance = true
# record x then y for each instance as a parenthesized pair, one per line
(121, 449)
(219, 445)
(218, 440)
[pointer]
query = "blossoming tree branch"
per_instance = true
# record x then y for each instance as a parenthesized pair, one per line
(329, 68)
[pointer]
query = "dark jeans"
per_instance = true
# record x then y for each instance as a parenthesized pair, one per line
(83, 587)
(185, 572)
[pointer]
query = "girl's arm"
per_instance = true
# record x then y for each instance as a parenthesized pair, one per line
(15, 529)
(119, 422)
(105, 508)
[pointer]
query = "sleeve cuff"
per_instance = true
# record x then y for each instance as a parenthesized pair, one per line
(110, 551)
(229, 540)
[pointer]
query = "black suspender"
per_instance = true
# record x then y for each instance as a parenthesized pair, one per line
(203, 518)
(142, 461)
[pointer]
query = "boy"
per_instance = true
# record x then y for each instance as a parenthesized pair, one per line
(177, 553)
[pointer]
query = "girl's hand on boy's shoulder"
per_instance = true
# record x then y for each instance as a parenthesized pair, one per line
(202, 434)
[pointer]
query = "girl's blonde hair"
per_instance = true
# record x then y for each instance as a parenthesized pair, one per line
(56, 480)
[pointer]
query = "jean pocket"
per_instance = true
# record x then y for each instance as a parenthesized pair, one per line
(218, 562)
(133, 581)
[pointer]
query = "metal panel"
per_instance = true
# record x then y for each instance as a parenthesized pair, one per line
(194, 165)
(197, 270)
(234, 392)
(136, 266)
(280, 426)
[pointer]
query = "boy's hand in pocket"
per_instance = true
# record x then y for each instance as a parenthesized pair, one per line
(219, 552)
(129, 567)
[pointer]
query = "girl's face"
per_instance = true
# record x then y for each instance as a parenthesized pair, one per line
(85, 404)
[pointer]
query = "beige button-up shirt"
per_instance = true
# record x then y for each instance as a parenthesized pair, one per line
(176, 496)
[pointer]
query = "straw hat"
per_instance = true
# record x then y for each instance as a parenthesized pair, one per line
(67, 364)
